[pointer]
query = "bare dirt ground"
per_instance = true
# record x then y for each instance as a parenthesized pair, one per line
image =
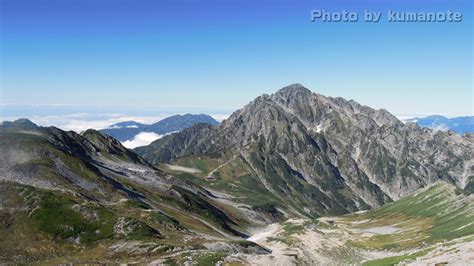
(183, 169)
(325, 242)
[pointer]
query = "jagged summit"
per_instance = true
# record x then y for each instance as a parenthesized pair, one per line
(283, 157)
(294, 89)
(293, 95)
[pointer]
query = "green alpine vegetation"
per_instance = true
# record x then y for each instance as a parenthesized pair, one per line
(291, 178)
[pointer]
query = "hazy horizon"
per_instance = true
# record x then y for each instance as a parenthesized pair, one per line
(140, 57)
(79, 118)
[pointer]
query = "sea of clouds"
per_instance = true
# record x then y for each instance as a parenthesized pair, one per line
(82, 121)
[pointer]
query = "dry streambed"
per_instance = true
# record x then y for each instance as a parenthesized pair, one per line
(330, 240)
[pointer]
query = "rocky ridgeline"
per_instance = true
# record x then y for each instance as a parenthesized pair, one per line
(329, 155)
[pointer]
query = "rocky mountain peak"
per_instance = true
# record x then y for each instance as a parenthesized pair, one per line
(293, 89)
(293, 92)
(300, 142)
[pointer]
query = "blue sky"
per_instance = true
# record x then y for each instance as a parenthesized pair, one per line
(143, 57)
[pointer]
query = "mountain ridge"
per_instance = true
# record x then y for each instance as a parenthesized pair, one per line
(368, 155)
(284, 160)
(129, 129)
(70, 191)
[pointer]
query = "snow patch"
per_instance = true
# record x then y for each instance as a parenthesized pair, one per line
(183, 169)
(136, 170)
(380, 230)
(319, 128)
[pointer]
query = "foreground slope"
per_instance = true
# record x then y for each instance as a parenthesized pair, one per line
(68, 197)
(432, 226)
(303, 153)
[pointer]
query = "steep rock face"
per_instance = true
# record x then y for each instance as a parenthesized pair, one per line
(326, 155)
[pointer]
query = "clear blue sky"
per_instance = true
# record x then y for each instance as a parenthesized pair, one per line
(216, 56)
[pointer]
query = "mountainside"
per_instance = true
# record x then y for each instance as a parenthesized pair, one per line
(68, 197)
(127, 130)
(316, 155)
(251, 190)
(461, 125)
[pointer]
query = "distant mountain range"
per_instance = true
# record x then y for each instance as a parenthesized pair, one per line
(128, 130)
(460, 125)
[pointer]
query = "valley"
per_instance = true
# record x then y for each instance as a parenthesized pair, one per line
(281, 133)
(292, 178)
(433, 225)
(389, 235)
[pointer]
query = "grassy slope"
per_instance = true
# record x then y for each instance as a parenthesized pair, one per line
(39, 225)
(439, 213)
(233, 177)
(438, 216)
(48, 224)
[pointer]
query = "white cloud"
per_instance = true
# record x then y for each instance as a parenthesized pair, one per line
(405, 117)
(81, 121)
(141, 139)
(220, 117)
(440, 127)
